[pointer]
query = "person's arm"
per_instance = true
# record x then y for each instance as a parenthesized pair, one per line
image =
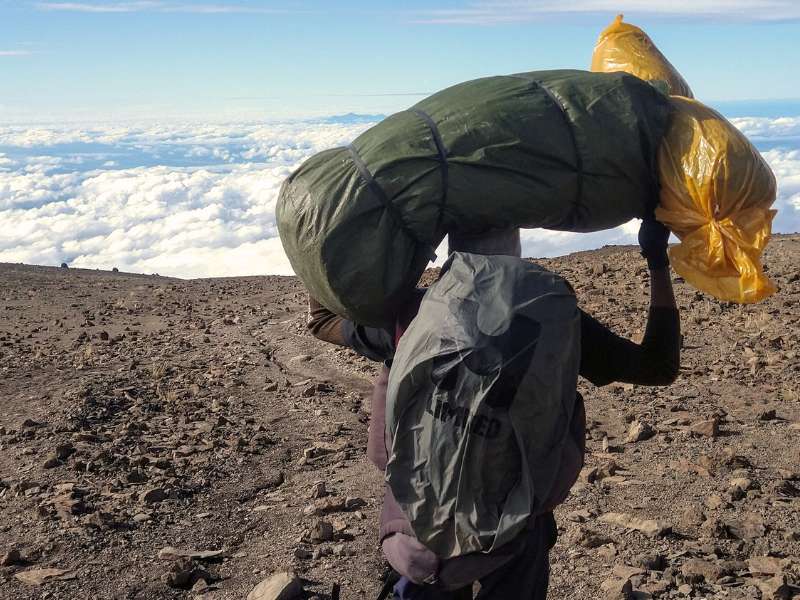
(370, 342)
(606, 357)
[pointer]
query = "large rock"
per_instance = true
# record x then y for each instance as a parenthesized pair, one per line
(280, 586)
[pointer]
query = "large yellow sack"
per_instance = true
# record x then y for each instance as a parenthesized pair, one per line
(716, 193)
(625, 47)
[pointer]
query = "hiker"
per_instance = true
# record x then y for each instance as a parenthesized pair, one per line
(521, 568)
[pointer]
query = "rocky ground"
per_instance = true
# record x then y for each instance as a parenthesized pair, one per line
(163, 438)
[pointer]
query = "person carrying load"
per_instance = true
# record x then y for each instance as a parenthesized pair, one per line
(519, 569)
(476, 420)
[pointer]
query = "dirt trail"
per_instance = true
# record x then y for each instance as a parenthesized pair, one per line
(142, 412)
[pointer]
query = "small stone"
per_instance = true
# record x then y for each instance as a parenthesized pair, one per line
(341, 550)
(579, 516)
(607, 553)
(792, 536)
(12, 557)
(170, 553)
(280, 586)
(768, 415)
(639, 431)
(51, 462)
(715, 501)
(707, 428)
(766, 565)
(321, 531)
(696, 571)
(64, 451)
(692, 517)
(300, 358)
(323, 506)
(318, 490)
(651, 562)
(588, 474)
(588, 538)
(302, 553)
(774, 588)
(749, 527)
(784, 489)
(41, 576)
(152, 495)
(626, 571)
(713, 528)
(742, 483)
(184, 574)
(141, 517)
(617, 589)
(651, 528)
(352, 503)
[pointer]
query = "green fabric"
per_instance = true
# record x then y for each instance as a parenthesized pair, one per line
(567, 150)
(480, 401)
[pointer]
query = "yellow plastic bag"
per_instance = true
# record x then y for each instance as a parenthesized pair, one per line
(716, 193)
(625, 47)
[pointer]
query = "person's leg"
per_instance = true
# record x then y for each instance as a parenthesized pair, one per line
(528, 575)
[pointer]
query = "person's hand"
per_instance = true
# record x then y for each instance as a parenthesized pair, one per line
(653, 238)
(410, 558)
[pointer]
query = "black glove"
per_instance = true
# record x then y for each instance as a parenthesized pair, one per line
(653, 238)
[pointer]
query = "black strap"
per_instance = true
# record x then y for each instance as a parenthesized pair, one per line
(388, 587)
(440, 148)
(381, 194)
(576, 206)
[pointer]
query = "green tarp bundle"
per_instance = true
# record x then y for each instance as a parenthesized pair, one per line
(567, 150)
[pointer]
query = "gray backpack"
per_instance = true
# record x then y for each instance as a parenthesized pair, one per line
(480, 400)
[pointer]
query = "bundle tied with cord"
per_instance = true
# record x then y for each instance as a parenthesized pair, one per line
(716, 189)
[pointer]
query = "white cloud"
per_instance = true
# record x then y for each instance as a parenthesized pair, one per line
(495, 12)
(765, 128)
(100, 7)
(15, 53)
(186, 221)
(155, 6)
(786, 165)
(193, 200)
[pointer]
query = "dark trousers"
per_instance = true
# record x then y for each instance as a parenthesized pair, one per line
(525, 577)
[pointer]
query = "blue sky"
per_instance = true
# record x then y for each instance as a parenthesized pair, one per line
(263, 58)
(153, 135)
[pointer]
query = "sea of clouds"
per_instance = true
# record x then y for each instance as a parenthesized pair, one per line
(192, 200)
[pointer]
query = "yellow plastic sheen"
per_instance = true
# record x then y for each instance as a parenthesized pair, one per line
(625, 47)
(716, 193)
